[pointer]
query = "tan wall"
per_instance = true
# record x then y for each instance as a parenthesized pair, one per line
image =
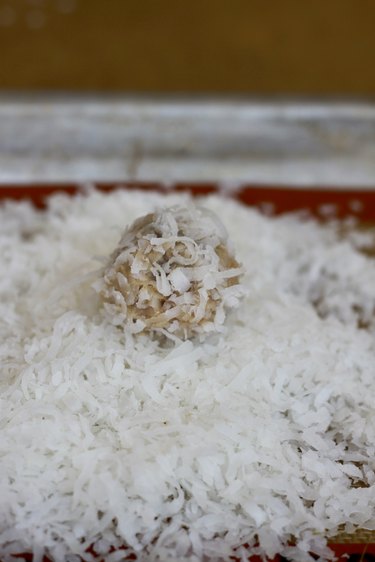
(252, 46)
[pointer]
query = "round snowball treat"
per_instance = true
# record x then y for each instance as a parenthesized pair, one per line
(173, 272)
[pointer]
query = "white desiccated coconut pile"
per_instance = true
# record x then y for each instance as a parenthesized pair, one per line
(189, 450)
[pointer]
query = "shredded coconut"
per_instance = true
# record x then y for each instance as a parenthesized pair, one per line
(173, 272)
(260, 434)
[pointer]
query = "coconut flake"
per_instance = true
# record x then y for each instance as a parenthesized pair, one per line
(166, 253)
(192, 450)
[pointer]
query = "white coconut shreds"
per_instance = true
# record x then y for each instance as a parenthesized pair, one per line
(187, 451)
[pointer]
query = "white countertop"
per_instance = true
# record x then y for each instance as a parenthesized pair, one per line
(61, 138)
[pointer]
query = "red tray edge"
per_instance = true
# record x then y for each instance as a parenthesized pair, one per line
(359, 203)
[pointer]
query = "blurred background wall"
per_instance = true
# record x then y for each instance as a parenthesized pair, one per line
(291, 47)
